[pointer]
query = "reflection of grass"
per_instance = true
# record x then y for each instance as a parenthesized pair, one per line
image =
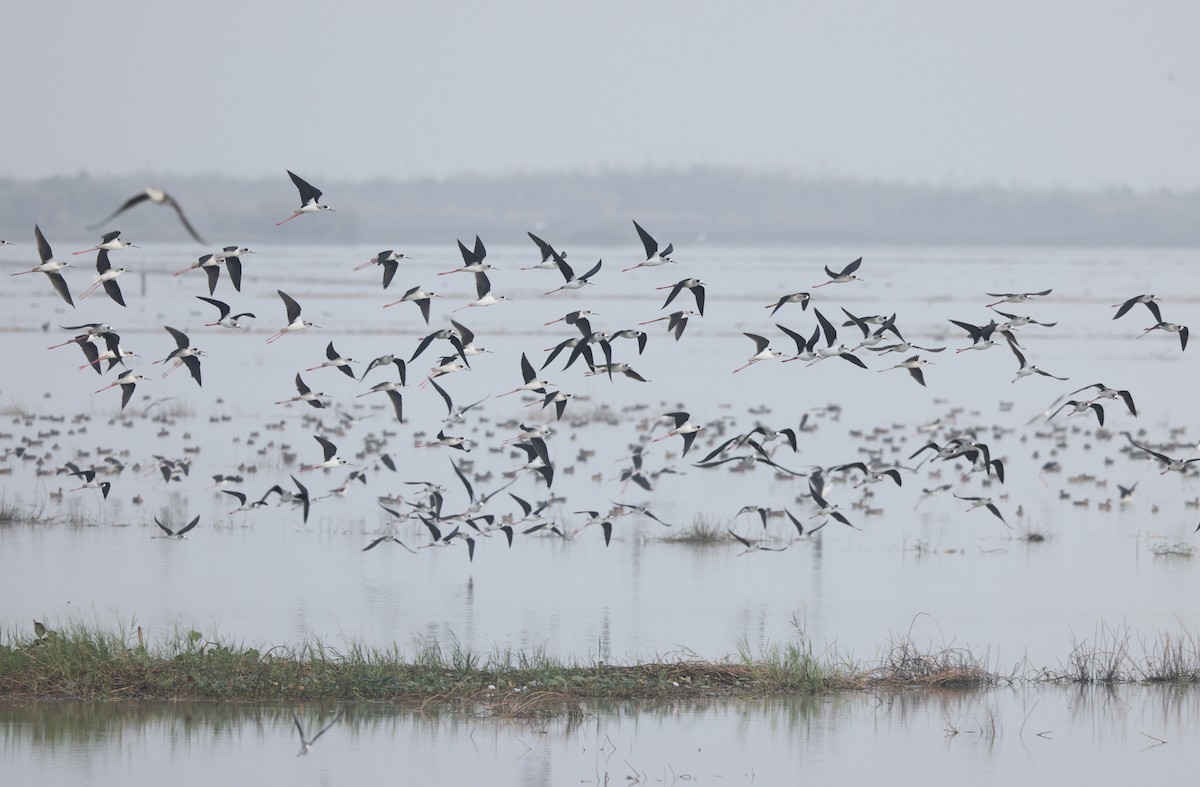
(1173, 550)
(81, 661)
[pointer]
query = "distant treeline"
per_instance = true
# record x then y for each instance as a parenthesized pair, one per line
(717, 205)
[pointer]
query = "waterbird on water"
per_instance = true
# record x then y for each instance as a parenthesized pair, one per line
(158, 197)
(309, 197)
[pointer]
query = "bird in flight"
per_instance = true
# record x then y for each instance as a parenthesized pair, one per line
(309, 196)
(158, 197)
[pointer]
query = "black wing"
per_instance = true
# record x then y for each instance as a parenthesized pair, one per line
(129, 203)
(293, 308)
(307, 194)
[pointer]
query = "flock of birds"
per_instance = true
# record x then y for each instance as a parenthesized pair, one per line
(594, 351)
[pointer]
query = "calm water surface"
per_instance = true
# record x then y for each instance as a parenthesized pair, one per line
(920, 565)
(1043, 736)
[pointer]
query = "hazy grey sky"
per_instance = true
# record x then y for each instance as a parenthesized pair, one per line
(1076, 93)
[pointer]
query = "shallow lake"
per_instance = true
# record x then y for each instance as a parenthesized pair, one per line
(1047, 735)
(914, 564)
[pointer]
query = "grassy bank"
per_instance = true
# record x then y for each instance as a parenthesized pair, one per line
(82, 661)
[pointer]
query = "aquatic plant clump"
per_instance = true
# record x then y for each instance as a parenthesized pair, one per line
(85, 662)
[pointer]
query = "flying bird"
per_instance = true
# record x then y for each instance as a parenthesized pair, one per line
(1150, 301)
(763, 351)
(293, 315)
(50, 267)
(389, 260)
(331, 458)
(335, 360)
(983, 502)
(473, 259)
(226, 319)
(1104, 392)
(183, 354)
(158, 197)
(913, 365)
(695, 285)
(128, 380)
(483, 288)
(1015, 297)
(176, 534)
(418, 296)
(573, 282)
(846, 275)
(801, 298)
(1170, 327)
(309, 197)
(547, 252)
(678, 321)
(107, 278)
(110, 241)
(653, 255)
(317, 400)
